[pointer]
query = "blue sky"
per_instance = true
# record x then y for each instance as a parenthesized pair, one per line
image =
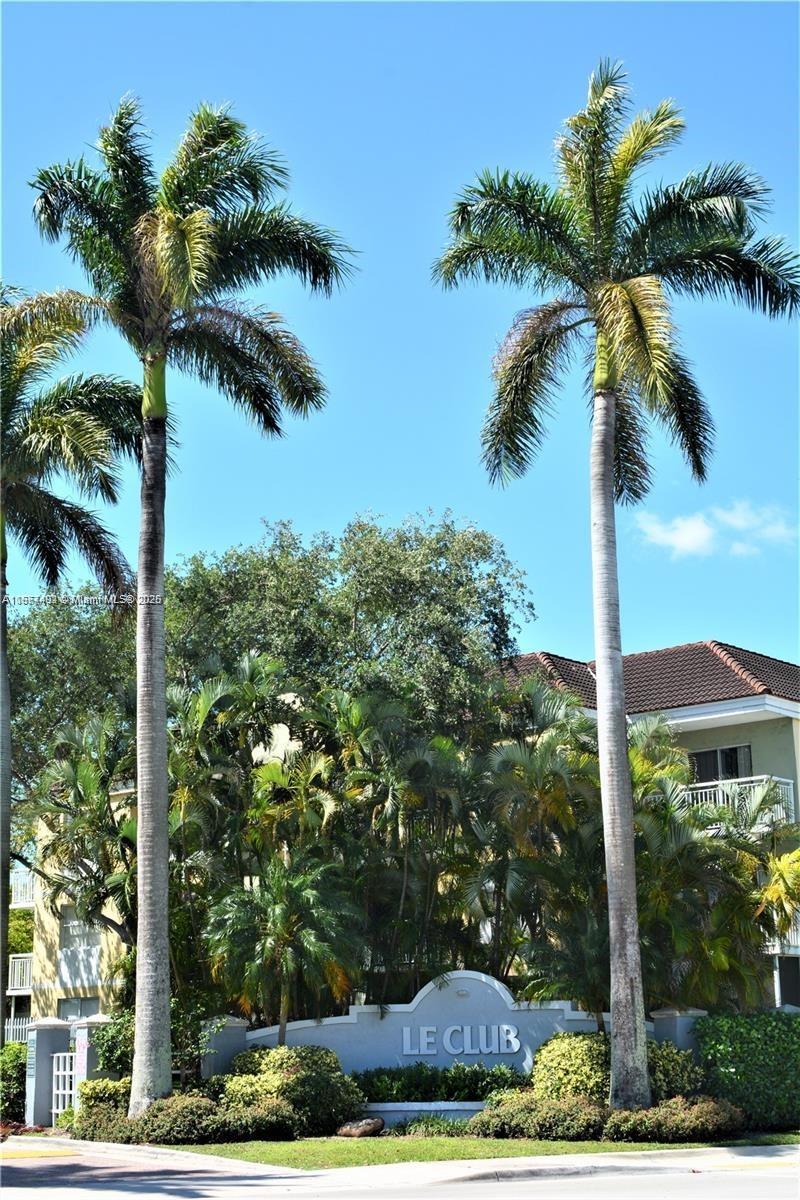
(383, 112)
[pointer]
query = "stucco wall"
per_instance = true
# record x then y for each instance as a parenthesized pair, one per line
(88, 974)
(774, 743)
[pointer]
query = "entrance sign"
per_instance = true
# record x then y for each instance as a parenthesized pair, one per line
(463, 1016)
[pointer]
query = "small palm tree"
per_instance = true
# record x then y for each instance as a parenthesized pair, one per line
(612, 261)
(290, 928)
(166, 257)
(70, 431)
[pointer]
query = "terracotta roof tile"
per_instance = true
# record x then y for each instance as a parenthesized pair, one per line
(696, 673)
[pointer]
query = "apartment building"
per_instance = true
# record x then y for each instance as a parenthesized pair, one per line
(735, 711)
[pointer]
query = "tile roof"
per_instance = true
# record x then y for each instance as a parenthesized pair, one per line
(697, 673)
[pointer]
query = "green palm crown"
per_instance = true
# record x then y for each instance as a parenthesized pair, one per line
(613, 258)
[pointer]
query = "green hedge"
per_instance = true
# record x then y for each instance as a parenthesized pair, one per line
(682, 1119)
(753, 1060)
(423, 1082)
(519, 1114)
(12, 1082)
(579, 1064)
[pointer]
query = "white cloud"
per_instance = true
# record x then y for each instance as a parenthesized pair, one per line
(683, 535)
(739, 528)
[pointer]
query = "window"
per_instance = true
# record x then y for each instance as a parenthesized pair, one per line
(78, 1006)
(789, 975)
(729, 762)
(73, 933)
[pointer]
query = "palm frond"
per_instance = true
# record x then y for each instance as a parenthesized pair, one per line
(279, 353)
(634, 316)
(184, 252)
(526, 369)
(47, 526)
(254, 244)
(763, 275)
(499, 204)
(125, 150)
(219, 166)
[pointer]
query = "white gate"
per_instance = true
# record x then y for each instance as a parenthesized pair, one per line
(63, 1083)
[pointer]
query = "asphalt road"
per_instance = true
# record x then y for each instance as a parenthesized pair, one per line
(74, 1177)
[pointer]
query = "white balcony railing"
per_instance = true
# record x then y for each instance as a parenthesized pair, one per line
(730, 792)
(19, 972)
(23, 888)
(790, 942)
(17, 1029)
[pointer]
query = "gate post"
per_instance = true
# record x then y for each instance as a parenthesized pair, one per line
(46, 1037)
(85, 1053)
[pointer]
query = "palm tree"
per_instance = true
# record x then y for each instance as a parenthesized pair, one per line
(165, 257)
(290, 927)
(612, 260)
(70, 430)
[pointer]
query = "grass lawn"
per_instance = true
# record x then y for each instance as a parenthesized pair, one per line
(320, 1153)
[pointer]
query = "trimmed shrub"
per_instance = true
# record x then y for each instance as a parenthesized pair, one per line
(115, 1093)
(100, 1122)
(754, 1061)
(519, 1114)
(180, 1120)
(673, 1072)
(461, 1081)
(12, 1081)
(309, 1078)
(681, 1119)
(579, 1064)
(268, 1120)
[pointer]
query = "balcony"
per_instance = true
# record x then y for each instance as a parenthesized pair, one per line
(728, 793)
(23, 888)
(19, 973)
(17, 1029)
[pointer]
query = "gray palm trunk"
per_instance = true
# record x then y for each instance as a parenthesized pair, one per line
(152, 1066)
(630, 1084)
(283, 1016)
(5, 799)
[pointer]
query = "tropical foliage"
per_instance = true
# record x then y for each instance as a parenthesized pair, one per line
(325, 845)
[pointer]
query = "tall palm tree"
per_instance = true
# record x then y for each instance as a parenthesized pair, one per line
(70, 430)
(165, 257)
(611, 261)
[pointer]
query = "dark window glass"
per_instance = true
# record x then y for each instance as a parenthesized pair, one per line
(704, 766)
(789, 967)
(729, 763)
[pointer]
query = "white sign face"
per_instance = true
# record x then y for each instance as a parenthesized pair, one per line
(460, 1039)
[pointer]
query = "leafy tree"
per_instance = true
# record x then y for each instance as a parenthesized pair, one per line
(422, 612)
(69, 431)
(611, 260)
(166, 257)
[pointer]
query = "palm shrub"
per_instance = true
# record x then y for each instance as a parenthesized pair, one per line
(71, 430)
(294, 925)
(611, 260)
(166, 257)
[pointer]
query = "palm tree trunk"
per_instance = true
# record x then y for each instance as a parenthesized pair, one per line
(630, 1086)
(5, 784)
(152, 1067)
(283, 1016)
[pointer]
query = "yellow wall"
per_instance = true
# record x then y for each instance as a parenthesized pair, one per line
(45, 989)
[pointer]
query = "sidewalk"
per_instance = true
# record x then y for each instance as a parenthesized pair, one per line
(412, 1175)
